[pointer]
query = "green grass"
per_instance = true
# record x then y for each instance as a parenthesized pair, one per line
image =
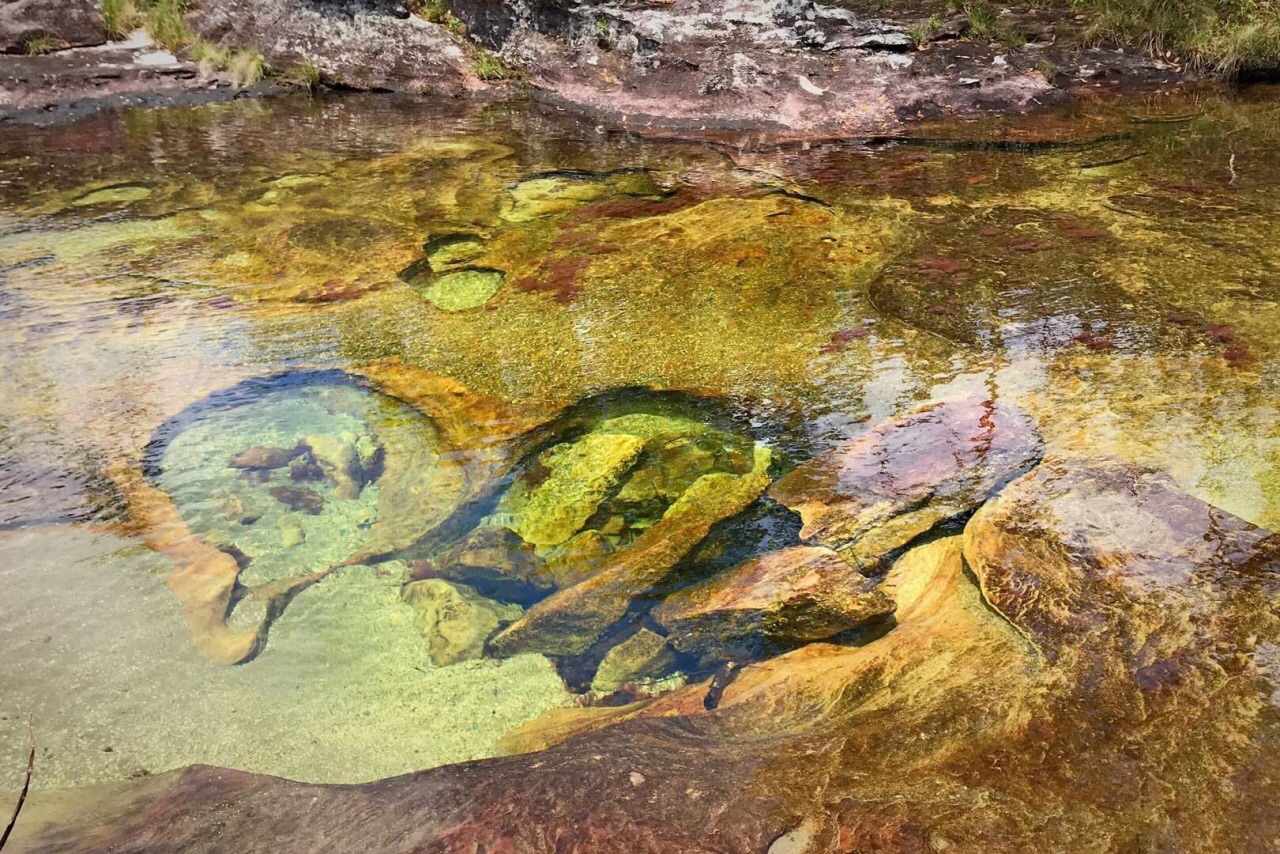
(121, 18)
(38, 44)
(245, 66)
(166, 22)
(489, 67)
(985, 24)
(304, 75)
(1229, 36)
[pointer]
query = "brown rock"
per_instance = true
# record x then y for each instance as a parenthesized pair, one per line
(68, 23)
(298, 498)
(263, 458)
(573, 619)
(794, 595)
(491, 557)
(644, 655)
(876, 493)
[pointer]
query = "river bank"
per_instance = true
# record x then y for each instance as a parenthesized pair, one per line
(787, 71)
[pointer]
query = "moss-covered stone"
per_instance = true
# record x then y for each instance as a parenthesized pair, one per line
(464, 289)
(581, 475)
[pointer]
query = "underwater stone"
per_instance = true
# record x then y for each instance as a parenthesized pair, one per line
(570, 621)
(291, 532)
(340, 461)
(454, 619)
(298, 498)
(795, 595)
(1116, 563)
(464, 289)
(263, 458)
(494, 557)
(122, 194)
(578, 559)
(644, 655)
(875, 493)
(546, 195)
(582, 475)
(447, 251)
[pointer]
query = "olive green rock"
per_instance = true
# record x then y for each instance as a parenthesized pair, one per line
(583, 474)
(570, 621)
(464, 289)
(454, 619)
(644, 655)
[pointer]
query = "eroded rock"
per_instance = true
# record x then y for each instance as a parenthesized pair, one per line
(876, 493)
(790, 596)
(67, 23)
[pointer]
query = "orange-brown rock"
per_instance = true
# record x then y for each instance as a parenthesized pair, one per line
(878, 492)
(787, 597)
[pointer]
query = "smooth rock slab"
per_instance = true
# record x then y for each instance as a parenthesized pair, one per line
(878, 492)
(795, 595)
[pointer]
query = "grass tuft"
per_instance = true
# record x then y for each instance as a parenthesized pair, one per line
(121, 18)
(1228, 36)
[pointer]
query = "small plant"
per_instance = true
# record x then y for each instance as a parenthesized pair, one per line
(1046, 69)
(432, 10)
(120, 17)
(167, 24)
(926, 30)
(246, 68)
(304, 75)
(38, 44)
(489, 67)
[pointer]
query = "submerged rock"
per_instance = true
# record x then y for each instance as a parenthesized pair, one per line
(791, 596)
(558, 192)
(582, 474)
(455, 620)
(120, 194)
(644, 655)
(1102, 561)
(876, 493)
(298, 498)
(494, 558)
(263, 458)
(570, 621)
(464, 289)
(448, 251)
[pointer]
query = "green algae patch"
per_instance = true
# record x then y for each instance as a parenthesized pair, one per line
(464, 289)
(556, 193)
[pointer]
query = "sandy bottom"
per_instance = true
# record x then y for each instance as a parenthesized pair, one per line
(93, 651)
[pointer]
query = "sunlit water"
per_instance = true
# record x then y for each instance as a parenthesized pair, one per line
(179, 288)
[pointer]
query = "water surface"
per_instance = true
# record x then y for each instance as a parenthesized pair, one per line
(180, 287)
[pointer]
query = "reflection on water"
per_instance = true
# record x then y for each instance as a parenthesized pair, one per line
(446, 286)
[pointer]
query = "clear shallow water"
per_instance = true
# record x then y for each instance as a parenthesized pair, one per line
(155, 260)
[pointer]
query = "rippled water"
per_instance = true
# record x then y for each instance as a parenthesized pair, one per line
(428, 322)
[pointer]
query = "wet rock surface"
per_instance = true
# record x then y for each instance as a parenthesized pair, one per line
(454, 620)
(792, 596)
(1128, 641)
(876, 493)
